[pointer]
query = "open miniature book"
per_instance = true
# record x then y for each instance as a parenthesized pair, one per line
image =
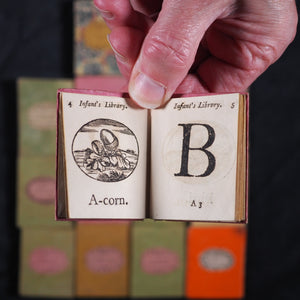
(184, 161)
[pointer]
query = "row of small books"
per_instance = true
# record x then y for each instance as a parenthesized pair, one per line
(52, 250)
(106, 259)
(46, 246)
(139, 259)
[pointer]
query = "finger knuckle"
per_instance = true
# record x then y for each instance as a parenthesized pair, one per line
(259, 56)
(168, 50)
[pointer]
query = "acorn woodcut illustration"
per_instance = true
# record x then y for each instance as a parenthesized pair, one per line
(105, 150)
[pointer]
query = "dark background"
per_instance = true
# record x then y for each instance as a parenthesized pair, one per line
(36, 41)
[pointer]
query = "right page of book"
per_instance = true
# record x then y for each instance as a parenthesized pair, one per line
(194, 142)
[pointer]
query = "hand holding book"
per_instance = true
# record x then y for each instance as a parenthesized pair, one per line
(199, 46)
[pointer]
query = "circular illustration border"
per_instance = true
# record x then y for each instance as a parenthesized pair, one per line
(112, 123)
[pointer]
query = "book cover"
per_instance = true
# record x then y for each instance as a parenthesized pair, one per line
(216, 261)
(158, 259)
(198, 157)
(110, 83)
(46, 262)
(36, 192)
(37, 115)
(102, 259)
(92, 52)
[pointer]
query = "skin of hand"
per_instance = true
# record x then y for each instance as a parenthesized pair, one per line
(195, 46)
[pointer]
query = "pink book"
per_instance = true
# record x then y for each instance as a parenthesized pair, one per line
(104, 83)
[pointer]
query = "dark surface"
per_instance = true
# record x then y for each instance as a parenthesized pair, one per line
(36, 41)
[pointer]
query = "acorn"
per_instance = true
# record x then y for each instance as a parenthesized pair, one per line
(98, 147)
(109, 140)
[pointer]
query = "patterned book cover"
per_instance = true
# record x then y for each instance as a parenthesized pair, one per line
(158, 259)
(216, 261)
(36, 192)
(46, 262)
(102, 259)
(92, 52)
(37, 115)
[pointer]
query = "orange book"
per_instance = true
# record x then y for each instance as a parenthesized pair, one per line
(216, 261)
(102, 259)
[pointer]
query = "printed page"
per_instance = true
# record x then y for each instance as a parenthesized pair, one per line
(193, 158)
(105, 151)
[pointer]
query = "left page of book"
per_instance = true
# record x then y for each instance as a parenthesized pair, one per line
(102, 152)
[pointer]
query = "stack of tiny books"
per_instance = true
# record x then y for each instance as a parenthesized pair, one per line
(47, 246)
(183, 165)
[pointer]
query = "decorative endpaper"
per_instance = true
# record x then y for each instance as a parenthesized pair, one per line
(92, 52)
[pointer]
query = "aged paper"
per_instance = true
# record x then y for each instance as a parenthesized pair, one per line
(105, 155)
(193, 158)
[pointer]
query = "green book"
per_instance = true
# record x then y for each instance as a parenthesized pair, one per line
(46, 262)
(36, 192)
(37, 115)
(158, 259)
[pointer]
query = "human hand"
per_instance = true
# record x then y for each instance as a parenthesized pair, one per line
(196, 46)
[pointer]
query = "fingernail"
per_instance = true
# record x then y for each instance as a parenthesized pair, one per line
(107, 15)
(119, 56)
(147, 92)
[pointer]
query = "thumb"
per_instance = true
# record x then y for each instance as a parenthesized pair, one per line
(169, 49)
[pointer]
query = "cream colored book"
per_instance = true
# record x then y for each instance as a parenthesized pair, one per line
(184, 161)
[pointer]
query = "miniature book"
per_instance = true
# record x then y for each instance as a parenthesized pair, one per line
(92, 52)
(157, 259)
(216, 253)
(36, 192)
(36, 115)
(196, 147)
(47, 262)
(102, 259)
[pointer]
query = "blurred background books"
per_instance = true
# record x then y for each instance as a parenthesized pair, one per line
(62, 43)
